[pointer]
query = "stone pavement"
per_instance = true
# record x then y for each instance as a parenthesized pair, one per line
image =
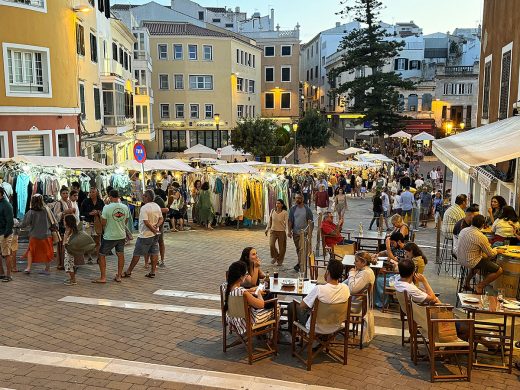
(33, 318)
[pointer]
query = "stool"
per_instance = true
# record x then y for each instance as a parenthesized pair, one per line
(461, 287)
(446, 255)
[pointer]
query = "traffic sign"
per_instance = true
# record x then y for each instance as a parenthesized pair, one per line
(139, 153)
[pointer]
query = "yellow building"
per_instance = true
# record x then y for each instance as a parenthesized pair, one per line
(39, 96)
(197, 74)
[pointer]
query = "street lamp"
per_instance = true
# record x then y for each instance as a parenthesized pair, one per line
(449, 127)
(295, 130)
(217, 120)
(462, 125)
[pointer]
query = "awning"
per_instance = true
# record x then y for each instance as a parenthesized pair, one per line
(401, 134)
(373, 157)
(423, 137)
(489, 144)
(108, 139)
(367, 133)
(64, 162)
(158, 165)
(200, 151)
(233, 168)
(230, 151)
(351, 150)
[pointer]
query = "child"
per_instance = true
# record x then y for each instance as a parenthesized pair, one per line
(363, 189)
(71, 227)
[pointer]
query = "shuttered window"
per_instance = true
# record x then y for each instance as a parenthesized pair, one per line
(503, 109)
(487, 85)
(30, 145)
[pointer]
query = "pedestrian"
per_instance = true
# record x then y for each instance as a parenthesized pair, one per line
(437, 207)
(6, 235)
(39, 219)
(71, 228)
(340, 203)
(176, 208)
(147, 243)
(114, 219)
(81, 194)
(407, 202)
(277, 230)
(321, 200)
(385, 199)
(62, 208)
(195, 192)
(377, 209)
(162, 204)
(396, 205)
(300, 217)
(91, 209)
(426, 205)
(205, 208)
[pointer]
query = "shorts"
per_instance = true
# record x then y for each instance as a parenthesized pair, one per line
(146, 246)
(108, 245)
(322, 210)
(487, 266)
(6, 245)
(176, 214)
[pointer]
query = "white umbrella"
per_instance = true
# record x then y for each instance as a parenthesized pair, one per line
(230, 151)
(351, 150)
(201, 151)
(424, 136)
(369, 157)
(367, 133)
(401, 134)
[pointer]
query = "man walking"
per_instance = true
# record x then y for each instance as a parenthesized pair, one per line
(299, 216)
(147, 243)
(426, 206)
(6, 235)
(114, 219)
(386, 206)
(407, 200)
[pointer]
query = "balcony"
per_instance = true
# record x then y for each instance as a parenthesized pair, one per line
(38, 5)
(143, 91)
(145, 132)
(458, 70)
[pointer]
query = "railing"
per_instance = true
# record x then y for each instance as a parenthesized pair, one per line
(458, 70)
(31, 3)
(141, 55)
(143, 91)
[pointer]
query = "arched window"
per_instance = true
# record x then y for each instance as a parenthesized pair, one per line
(413, 102)
(427, 102)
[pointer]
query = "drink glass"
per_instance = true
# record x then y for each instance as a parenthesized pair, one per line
(500, 294)
(300, 281)
(484, 299)
(275, 275)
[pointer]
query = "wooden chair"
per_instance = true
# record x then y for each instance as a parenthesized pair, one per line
(358, 309)
(388, 291)
(239, 308)
(405, 319)
(425, 328)
(322, 314)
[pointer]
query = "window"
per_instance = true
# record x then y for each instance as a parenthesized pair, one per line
(192, 52)
(210, 138)
(285, 103)
(242, 57)
(179, 81)
(141, 115)
(97, 104)
(27, 69)
(93, 48)
(503, 108)
(251, 87)
(486, 91)
(307, 74)
(165, 111)
(269, 100)
(163, 51)
(201, 82)
(177, 52)
(164, 81)
(194, 111)
(323, 61)
(401, 64)
(240, 84)
(312, 73)
(415, 64)
(114, 51)
(115, 104)
(254, 66)
(238, 56)
(179, 111)
(269, 51)
(269, 74)
(82, 101)
(215, 20)
(286, 51)
(121, 59)
(240, 110)
(35, 5)
(208, 111)
(174, 141)
(249, 59)
(125, 62)
(229, 25)
(80, 40)
(201, 15)
(316, 71)
(286, 73)
(207, 52)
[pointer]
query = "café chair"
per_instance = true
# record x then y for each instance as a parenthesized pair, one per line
(322, 314)
(239, 308)
(314, 267)
(426, 328)
(461, 287)
(405, 319)
(359, 306)
(388, 291)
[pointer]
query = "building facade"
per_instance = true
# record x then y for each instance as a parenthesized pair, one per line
(204, 82)
(39, 96)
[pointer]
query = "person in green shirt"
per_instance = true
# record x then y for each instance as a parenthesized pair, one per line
(114, 219)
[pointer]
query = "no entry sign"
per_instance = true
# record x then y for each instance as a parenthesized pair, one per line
(139, 153)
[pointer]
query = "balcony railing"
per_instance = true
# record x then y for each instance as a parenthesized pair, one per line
(458, 70)
(30, 3)
(141, 55)
(146, 91)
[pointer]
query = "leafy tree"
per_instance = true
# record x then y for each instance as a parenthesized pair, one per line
(370, 47)
(313, 132)
(256, 136)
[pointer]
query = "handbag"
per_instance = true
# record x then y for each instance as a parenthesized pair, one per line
(443, 332)
(56, 237)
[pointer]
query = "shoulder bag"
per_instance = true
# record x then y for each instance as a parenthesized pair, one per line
(56, 237)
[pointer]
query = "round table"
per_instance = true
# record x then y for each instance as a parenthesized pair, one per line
(510, 279)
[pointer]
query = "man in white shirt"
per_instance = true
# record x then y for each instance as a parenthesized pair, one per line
(386, 206)
(147, 243)
(407, 281)
(332, 292)
(419, 182)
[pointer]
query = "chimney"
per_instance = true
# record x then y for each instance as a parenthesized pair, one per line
(271, 22)
(237, 10)
(338, 24)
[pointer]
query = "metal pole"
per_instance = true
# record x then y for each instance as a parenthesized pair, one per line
(295, 149)
(142, 177)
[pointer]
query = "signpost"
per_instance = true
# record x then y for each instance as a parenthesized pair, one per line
(140, 157)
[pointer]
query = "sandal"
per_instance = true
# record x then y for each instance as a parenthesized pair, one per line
(150, 275)
(125, 275)
(7, 279)
(27, 271)
(117, 279)
(98, 281)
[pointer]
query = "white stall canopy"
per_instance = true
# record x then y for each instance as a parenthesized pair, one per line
(64, 162)
(424, 136)
(352, 150)
(200, 151)
(401, 134)
(373, 157)
(233, 168)
(158, 165)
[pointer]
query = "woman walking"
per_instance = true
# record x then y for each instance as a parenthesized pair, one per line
(204, 207)
(62, 208)
(377, 208)
(340, 203)
(277, 230)
(39, 219)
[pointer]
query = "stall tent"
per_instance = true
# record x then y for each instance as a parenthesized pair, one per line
(465, 153)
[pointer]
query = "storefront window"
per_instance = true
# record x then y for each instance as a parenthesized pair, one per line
(174, 141)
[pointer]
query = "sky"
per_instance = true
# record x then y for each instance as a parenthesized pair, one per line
(318, 15)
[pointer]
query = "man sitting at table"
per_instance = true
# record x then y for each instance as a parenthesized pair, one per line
(406, 282)
(331, 231)
(332, 292)
(465, 222)
(396, 252)
(475, 253)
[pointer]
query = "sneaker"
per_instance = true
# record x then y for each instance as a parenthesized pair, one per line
(273, 261)
(161, 264)
(297, 267)
(69, 283)
(7, 279)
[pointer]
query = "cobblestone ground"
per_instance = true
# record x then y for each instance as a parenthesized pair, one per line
(32, 317)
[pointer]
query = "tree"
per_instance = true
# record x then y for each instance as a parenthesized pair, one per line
(370, 47)
(313, 132)
(256, 136)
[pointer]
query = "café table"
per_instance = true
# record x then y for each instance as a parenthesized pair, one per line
(370, 236)
(277, 287)
(497, 309)
(348, 262)
(510, 263)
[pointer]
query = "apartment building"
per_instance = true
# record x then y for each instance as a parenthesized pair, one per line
(39, 95)
(204, 82)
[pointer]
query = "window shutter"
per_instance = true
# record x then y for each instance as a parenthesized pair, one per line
(418, 64)
(396, 64)
(406, 64)
(107, 8)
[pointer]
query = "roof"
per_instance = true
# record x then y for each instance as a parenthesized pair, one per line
(122, 7)
(171, 28)
(217, 9)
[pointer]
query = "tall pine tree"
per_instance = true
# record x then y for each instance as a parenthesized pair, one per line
(375, 94)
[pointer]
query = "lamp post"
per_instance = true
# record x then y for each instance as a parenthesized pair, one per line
(295, 131)
(217, 124)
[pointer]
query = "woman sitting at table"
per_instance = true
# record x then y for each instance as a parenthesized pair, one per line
(506, 227)
(399, 227)
(414, 253)
(361, 275)
(250, 258)
(236, 276)
(495, 211)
